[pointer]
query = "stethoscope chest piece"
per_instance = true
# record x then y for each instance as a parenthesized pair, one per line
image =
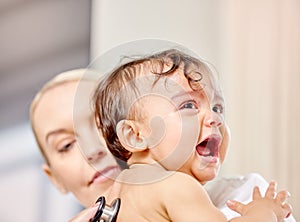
(106, 213)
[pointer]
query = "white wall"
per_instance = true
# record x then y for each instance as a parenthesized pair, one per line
(193, 24)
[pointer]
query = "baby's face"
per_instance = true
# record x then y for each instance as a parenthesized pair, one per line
(184, 128)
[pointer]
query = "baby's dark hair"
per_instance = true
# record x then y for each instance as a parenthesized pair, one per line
(117, 91)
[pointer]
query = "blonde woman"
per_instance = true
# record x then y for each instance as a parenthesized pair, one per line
(86, 176)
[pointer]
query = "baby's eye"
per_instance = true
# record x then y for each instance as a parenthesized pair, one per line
(66, 147)
(189, 105)
(218, 109)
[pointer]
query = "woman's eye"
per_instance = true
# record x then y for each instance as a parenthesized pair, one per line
(189, 105)
(218, 109)
(66, 147)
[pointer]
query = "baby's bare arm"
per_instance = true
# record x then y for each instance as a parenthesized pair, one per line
(186, 200)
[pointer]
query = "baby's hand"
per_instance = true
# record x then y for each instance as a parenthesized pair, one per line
(271, 201)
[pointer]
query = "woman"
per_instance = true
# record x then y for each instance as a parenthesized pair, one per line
(51, 116)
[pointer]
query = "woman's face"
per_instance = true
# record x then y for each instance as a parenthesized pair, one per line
(89, 176)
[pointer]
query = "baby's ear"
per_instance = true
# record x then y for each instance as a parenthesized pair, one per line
(130, 136)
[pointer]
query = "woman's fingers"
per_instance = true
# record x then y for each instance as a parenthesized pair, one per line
(85, 215)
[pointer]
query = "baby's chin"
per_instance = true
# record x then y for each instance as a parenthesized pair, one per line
(204, 175)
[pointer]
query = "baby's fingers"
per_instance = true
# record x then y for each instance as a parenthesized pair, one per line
(256, 193)
(271, 191)
(288, 208)
(236, 206)
(282, 196)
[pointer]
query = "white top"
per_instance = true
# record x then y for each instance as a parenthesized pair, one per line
(236, 188)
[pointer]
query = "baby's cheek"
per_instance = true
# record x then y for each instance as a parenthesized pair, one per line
(190, 132)
(182, 142)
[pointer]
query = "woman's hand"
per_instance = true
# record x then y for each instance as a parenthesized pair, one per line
(86, 215)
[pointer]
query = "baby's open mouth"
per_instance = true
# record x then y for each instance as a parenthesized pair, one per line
(209, 146)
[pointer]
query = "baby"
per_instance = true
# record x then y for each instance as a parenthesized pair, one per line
(164, 116)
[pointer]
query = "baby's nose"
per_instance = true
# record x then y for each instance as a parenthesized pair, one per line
(213, 119)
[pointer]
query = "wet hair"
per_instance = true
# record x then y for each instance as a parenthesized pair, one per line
(118, 90)
(65, 77)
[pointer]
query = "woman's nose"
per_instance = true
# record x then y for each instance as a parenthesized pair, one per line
(95, 156)
(213, 119)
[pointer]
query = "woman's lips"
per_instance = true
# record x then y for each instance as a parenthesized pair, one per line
(104, 175)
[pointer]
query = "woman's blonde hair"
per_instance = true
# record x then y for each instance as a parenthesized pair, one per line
(62, 78)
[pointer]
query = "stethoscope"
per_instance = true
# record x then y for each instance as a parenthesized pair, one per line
(106, 213)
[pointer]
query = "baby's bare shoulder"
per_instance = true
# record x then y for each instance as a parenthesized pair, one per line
(181, 182)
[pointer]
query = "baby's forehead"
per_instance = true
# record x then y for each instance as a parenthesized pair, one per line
(189, 75)
(159, 77)
(176, 84)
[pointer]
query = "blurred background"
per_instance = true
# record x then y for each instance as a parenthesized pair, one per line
(254, 44)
